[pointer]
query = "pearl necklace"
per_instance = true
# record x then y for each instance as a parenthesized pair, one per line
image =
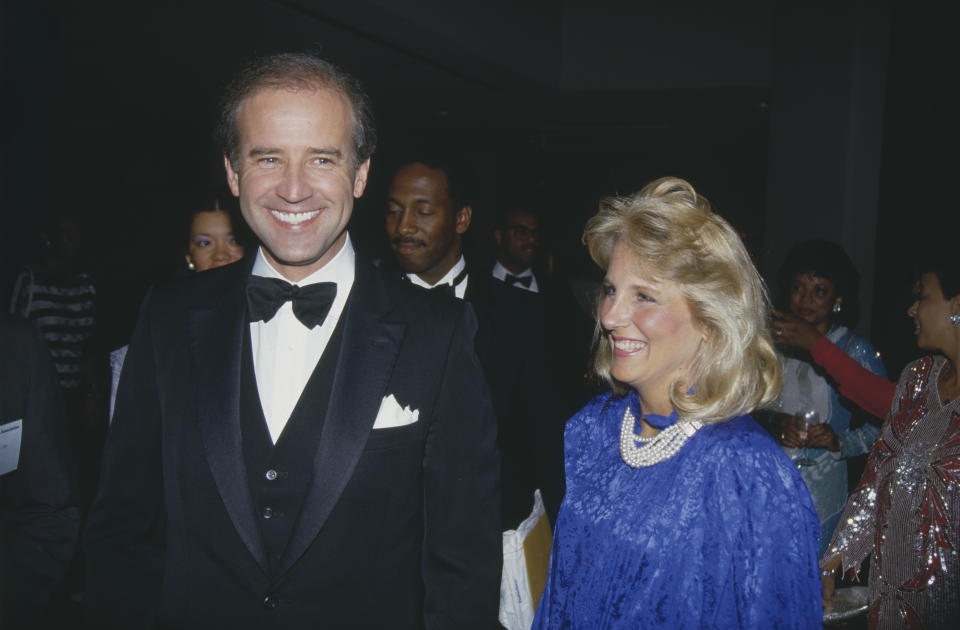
(657, 448)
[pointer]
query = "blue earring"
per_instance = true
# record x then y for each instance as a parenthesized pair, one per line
(955, 320)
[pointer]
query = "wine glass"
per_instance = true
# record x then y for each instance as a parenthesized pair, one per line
(804, 421)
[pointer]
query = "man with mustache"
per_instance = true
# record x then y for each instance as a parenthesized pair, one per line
(428, 213)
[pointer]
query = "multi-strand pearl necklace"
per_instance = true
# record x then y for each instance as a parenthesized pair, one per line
(655, 449)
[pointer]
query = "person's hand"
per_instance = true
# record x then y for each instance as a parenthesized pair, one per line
(790, 330)
(822, 436)
(789, 436)
(828, 585)
(828, 580)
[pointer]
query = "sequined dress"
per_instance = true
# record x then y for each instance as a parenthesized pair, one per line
(905, 513)
(723, 534)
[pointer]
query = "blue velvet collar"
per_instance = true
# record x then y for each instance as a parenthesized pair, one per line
(654, 420)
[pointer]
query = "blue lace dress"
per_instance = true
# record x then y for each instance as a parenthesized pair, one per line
(723, 534)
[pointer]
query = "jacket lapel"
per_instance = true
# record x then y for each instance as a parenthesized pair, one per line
(215, 333)
(367, 355)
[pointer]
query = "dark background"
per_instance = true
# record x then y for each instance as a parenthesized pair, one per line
(818, 119)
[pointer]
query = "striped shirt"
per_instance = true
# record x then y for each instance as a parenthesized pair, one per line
(63, 308)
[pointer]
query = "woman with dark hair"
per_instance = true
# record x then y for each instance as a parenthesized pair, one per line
(680, 511)
(905, 513)
(822, 285)
(215, 237)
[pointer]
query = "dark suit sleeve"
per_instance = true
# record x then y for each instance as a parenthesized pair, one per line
(542, 404)
(462, 541)
(40, 515)
(124, 535)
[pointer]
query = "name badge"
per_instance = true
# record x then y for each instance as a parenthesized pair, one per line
(10, 445)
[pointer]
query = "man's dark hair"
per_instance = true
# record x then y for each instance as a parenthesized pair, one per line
(503, 215)
(827, 260)
(938, 257)
(458, 185)
(215, 199)
(295, 71)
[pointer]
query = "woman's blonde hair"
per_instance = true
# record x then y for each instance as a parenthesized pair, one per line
(672, 229)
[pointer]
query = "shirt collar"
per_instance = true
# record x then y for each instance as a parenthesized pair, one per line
(446, 279)
(500, 272)
(340, 269)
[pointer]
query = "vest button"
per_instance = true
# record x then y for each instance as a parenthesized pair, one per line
(271, 474)
(267, 512)
(270, 602)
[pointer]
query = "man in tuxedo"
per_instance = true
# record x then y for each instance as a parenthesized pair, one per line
(39, 517)
(428, 213)
(517, 243)
(299, 441)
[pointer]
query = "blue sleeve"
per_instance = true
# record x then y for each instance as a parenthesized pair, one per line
(860, 440)
(765, 515)
(573, 438)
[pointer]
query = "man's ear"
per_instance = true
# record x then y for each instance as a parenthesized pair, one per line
(463, 219)
(360, 178)
(498, 237)
(233, 178)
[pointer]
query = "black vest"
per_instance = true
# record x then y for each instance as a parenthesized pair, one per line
(280, 474)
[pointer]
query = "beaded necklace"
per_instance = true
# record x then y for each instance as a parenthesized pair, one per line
(657, 448)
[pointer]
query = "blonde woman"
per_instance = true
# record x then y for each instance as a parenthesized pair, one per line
(680, 511)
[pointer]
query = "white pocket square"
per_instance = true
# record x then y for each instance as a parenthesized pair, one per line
(391, 415)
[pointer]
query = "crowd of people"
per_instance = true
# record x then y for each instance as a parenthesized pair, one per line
(302, 437)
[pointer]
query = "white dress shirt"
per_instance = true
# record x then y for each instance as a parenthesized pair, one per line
(500, 273)
(285, 352)
(460, 290)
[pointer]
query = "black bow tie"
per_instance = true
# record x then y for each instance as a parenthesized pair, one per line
(311, 303)
(444, 289)
(524, 280)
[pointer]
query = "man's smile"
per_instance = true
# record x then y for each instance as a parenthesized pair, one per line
(294, 218)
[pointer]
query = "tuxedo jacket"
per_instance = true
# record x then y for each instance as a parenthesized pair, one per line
(512, 348)
(399, 527)
(39, 518)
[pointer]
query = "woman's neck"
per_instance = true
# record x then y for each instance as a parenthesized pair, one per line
(658, 403)
(952, 352)
(647, 430)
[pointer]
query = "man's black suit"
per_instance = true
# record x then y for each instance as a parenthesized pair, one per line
(399, 526)
(512, 349)
(39, 518)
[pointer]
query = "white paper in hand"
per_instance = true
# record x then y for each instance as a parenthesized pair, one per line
(10, 434)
